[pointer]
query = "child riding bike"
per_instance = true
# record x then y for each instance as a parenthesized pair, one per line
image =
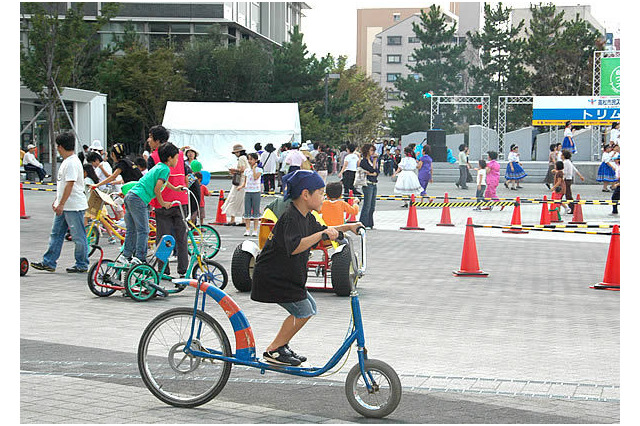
(280, 272)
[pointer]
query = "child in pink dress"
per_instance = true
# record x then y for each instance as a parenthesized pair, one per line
(493, 175)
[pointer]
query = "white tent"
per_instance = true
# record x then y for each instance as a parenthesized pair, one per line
(212, 128)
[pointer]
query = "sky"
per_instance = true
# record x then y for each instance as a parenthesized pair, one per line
(330, 25)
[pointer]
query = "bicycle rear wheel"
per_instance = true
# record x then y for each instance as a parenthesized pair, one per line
(220, 277)
(107, 275)
(207, 239)
(173, 376)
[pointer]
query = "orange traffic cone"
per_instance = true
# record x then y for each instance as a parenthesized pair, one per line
(23, 213)
(469, 266)
(412, 219)
(445, 219)
(611, 280)
(577, 212)
(351, 218)
(516, 220)
(544, 215)
(221, 218)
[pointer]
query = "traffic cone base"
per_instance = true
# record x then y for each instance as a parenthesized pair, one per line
(515, 231)
(516, 220)
(604, 286)
(412, 219)
(470, 274)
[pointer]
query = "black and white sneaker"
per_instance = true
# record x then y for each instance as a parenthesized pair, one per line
(281, 356)
(302, 358)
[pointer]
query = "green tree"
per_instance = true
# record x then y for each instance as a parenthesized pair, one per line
(501, 71)
(138, 86)
(55, 54)
(240, 73)
(439, 64)
(296, 74)
(575, 57)
(544, 33)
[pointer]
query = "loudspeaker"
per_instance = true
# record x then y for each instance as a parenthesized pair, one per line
(436, 138)
(437, 121)
(439, 154)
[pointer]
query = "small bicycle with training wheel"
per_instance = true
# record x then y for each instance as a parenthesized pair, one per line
(141, 282)
(185, 358)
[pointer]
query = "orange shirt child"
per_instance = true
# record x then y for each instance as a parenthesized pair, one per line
(334, 210)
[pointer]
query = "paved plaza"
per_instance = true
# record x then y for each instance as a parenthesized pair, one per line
(530, 343)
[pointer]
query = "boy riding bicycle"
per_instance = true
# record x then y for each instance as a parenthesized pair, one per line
(280, 273)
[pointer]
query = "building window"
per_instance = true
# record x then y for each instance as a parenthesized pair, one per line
(393, 95)
(396, 17)
(393, 76)
(394, 59)
(414, 40)
(394, 40)
(415, 76)
(411, 58)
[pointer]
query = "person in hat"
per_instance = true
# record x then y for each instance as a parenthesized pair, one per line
(234, 204)
(280, 272)
(31, 163)
(191, 154)
(514, 173)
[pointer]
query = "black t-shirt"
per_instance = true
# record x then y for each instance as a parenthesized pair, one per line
(127, 170)
(279, 276)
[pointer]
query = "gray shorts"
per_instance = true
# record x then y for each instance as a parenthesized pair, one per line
(251, 205)
(304, 308)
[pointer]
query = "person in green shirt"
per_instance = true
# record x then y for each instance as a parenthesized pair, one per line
(136, 203)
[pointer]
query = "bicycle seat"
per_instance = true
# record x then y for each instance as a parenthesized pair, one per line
(165, 248)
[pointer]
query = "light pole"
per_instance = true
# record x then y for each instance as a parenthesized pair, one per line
(326, 90)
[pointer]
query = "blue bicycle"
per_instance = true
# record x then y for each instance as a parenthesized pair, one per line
(185, 358)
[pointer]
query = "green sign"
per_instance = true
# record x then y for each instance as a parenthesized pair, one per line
(610, 77)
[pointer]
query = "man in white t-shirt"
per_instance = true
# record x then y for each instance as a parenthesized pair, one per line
(349, 169)
(69, 207)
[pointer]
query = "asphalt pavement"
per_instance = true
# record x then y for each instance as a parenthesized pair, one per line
(530, 343)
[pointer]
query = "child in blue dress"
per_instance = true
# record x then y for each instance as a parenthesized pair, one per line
(514, 173)
(567, 142)
(606, 171)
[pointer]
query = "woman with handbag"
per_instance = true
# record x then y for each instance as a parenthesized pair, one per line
(234, 204)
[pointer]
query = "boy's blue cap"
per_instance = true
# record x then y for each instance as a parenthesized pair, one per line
(299, 180)
(295, 144)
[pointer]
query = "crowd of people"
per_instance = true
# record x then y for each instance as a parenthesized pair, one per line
(262, 171)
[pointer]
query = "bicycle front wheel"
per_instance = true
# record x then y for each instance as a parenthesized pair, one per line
(386, 390)
(207, 239)
(174, 376)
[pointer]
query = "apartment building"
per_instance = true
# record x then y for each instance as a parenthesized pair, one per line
(180, 22)
(391, 50)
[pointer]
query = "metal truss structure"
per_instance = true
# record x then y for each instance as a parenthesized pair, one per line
(483, 101)
(503, 103)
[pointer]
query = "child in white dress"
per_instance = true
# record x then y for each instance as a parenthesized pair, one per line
(407, 182)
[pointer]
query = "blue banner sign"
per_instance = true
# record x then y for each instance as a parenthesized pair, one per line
(580, 110)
